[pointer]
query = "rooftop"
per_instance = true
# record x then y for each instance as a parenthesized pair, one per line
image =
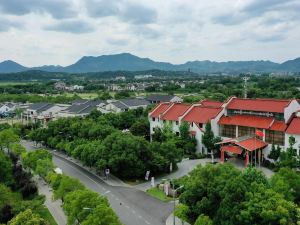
(294, 127)
(247, 121)
(211, 103)
(175, 111)
(201, 114)
(260, 105)
(159, 109)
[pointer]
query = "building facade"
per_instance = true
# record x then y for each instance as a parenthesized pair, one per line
(236, 119)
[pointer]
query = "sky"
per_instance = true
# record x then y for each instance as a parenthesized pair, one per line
(60, 32)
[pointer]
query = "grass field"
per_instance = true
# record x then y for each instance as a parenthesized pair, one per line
(13, 83)
(156, 193)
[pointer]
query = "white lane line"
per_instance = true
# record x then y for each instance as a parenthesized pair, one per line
(102, 188)
(106, 192)
(85, 175)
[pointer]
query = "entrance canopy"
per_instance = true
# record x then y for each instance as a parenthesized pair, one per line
(252, 144)
(232, 149)
(247, 143)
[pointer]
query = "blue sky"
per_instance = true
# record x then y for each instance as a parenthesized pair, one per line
(38, 32)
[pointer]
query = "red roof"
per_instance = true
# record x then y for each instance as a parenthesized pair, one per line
(251, 144)
(176, 110)
(294, 127)
(247, 121)
(261, 105)
(278, 126)
(211, 103)
(201, 114)
(232, 149)
(159, 109)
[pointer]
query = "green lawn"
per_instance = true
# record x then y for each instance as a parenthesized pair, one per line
(156, 193)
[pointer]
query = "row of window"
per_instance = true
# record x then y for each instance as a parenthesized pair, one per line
(277, 116)
(271, 136)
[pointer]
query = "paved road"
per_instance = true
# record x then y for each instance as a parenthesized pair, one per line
(184, 168)
(134, 207)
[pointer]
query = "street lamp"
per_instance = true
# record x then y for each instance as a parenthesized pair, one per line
(174, 194)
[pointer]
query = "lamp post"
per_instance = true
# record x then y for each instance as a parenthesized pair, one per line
(174, 194)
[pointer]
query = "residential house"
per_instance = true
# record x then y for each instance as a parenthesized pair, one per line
(154, 99)
(126, 104)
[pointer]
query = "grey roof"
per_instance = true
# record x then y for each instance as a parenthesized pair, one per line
(160, 98)
(131, 102)
(81, 109)
(40, 107)
(120, 105)
(90, 102)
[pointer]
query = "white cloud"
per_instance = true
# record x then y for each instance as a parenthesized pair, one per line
(62, 31)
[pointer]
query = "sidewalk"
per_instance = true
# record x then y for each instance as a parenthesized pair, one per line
(54, 207)
(170, 221)
(184, 167)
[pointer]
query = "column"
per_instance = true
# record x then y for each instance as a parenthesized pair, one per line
(247, 158)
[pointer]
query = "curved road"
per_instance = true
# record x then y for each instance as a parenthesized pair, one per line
(133, 207)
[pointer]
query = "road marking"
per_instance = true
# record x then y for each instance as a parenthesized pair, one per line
(101, 187)
(106, 192)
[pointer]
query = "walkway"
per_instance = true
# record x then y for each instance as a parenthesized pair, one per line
(54, 206)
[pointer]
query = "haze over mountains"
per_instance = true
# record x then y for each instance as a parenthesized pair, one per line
(129, 62)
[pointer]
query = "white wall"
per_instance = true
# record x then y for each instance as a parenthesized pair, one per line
(176, 99)
(288, 111)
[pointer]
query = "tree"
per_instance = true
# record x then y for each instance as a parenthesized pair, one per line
(30, 159)
(43, 167)
(18, 149)
(141, 128)
(8, 137)
(66, 185)
(125, 154)
(203, 220)
(209, 140)
(275, 152)
(78, 204)
(289, 157)
(182, 211)
(27, 218)
(102, 215)
(5, 170)
(287, 182)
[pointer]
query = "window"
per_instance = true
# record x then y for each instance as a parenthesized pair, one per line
(228, 131)
(177, 133)
(192, 124)
(153, 118)
(201, 125)
(275, 137)
(177, 122)
(246, 131)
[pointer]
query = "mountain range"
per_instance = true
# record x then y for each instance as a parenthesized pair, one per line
(129, 62)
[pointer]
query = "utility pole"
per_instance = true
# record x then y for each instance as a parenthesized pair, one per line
(245, 79)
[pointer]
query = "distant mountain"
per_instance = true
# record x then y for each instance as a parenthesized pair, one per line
(9, 66)
(291, 65)
(129, 62)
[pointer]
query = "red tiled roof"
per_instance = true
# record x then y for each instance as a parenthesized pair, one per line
(232, 149)
(201, 114)
(278, 126)
(261, 105)
(176, 110)
(294, 127)
(247, 121)
(211, 103)
(252, 144)
(160, 108)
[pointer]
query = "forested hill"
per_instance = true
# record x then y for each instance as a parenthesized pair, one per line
(129, 62)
